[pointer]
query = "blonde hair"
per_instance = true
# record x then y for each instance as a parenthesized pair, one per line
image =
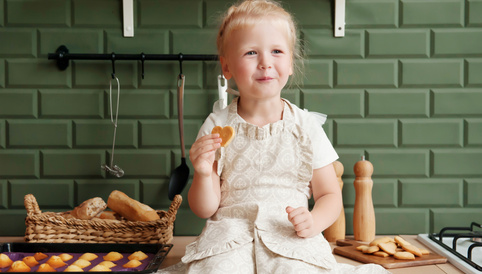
(252, 12)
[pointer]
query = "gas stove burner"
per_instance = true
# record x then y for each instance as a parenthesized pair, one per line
(461, 245)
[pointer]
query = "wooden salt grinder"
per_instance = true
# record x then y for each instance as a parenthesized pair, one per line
(364, 213)
(337, 229)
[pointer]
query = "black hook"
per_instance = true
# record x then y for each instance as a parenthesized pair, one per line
(143, 58)
(180, 63)
(113, 65)
(62, 62)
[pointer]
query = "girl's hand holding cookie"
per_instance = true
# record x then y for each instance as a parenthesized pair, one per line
(202, 151)
(302, 221)
(226, 133)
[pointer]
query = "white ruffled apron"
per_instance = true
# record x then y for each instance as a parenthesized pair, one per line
(262, 171)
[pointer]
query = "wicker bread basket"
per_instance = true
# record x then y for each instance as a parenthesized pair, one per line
(51, 227)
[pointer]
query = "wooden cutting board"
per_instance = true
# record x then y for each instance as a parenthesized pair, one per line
(347, 248)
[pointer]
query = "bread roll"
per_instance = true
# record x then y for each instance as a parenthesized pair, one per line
(129, 208)
(109, 215)
(89, 208)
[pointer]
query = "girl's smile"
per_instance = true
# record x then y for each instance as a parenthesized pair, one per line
(264, 79)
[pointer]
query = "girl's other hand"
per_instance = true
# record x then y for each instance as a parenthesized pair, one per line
(302, 221)
(202, 152)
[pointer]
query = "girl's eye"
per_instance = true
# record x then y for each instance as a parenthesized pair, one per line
(277, 51)
(251, 52)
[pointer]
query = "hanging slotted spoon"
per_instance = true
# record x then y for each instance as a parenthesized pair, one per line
(180, 175)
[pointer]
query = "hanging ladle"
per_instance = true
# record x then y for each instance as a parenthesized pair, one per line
(179, 175)
(113, 169)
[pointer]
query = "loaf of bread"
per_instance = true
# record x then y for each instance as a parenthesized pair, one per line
(109, 215)
(89, 208)
(129, 208)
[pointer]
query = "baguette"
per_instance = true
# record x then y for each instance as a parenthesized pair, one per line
(89, 208)
(129, 208)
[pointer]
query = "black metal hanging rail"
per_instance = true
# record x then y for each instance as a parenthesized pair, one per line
(63, 57)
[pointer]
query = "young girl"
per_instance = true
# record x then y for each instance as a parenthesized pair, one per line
(255, 191)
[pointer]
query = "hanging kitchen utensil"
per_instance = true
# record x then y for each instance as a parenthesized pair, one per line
(113, 169)
(180, 175)
(223, 95)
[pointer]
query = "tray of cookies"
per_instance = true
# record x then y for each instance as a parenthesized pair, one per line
(78, 257)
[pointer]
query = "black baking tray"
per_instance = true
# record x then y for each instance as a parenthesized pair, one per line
(156, 252)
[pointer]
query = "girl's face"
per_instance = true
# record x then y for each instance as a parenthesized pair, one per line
(259, 60)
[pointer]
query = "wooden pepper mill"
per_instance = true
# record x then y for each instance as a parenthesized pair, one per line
(337, 230)
(364, 213)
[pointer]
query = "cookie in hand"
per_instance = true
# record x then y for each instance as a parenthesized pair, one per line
(226, 133)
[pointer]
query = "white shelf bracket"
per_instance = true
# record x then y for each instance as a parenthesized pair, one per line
(128, 12)
(339, 30)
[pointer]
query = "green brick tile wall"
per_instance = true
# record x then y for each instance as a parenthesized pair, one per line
(21, 43)
(426, 133)
(474, 67)
(415, 13)
(473, 188)
(413, 103)
(474, 131)
(443, 193)
(379, 13)
(56, 13)
(2, 136)
(3, 194)
(475, 13)
(387, 43)
(2, 73)
(402, 87)
(432, 73)
(33, 133)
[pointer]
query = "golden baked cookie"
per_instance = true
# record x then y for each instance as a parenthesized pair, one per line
(88, 256)
(30, 261)
(113, 256)
(424, 251)
(5, 261)
(389, 247)
(371, 249)
(380, 241)
(40, 256)
(73, 268)
(412, 249)
(56, 262)
(404, 256)
(138, 255)
(381, 254)
(108, 264)
(226, 133)
(401, 241)
(45, 267)
(82, 263)
(100, 268)
(66, 257)
(132, 264)
(361, 247)
(19, 266)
